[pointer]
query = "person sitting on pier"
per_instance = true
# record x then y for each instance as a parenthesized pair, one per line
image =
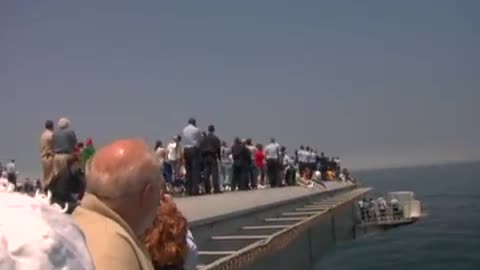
(306, 179)
(290, 171)
(121, 200)
(169, 241)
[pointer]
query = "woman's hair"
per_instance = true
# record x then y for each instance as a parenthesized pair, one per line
(157, 145)
(166, 239)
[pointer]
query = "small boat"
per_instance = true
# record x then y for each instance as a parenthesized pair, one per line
(399, 208)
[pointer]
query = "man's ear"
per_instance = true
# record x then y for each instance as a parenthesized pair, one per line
(145, 196)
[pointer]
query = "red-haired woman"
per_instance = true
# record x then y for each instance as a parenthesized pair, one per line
(169, 241)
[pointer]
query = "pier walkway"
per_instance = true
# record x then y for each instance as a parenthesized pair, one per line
(235, 229)
(216, 206)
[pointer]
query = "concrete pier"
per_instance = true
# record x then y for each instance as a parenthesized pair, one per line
(258, 229)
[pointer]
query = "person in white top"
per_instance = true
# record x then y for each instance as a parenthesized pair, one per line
(382, 206)
(191, 261)
(395, 205)
(174, 155)
(302, 160)
(272, 154)
(253, 171)
(46, 237)
(160, 151)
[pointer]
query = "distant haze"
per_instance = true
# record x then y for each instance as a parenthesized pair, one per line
(379, 83)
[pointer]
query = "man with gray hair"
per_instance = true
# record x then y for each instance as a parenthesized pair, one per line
(64, 142)
(122, 196)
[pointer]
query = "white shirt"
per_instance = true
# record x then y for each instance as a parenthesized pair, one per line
(382, 203)
(172, 151)
(361, 204)
(302, 156)
(191, 260)
(286, 160)
(272, 151)
(338, 161)
(312, 157)
(394, 202)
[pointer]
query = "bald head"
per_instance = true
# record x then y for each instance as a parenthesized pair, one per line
(122, 167)
(126, 176)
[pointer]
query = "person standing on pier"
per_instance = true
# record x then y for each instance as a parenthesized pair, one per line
(123, 194)
(226, 166)
(64, 142)
(192, 136)
(272, 153)
(241, 161)
(11, 172)
(87, 152)
(210, 148)
(47, 153)
(252, 169)
(174, 155)
(260, 163)
(323, 160)
(302, 160)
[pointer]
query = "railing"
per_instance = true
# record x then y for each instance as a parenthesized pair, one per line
(276, 241)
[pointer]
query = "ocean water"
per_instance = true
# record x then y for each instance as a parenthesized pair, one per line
(448, 238)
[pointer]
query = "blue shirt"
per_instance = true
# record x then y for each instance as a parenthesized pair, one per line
(191, 136)
(64, 141)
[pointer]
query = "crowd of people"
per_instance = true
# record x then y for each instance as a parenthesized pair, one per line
(123, 218)
(202, 163)
(119, 196)
(379, 209)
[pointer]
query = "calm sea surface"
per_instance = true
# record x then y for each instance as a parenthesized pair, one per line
(449, 238)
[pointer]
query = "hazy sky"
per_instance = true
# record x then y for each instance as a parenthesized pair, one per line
(380, 83)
